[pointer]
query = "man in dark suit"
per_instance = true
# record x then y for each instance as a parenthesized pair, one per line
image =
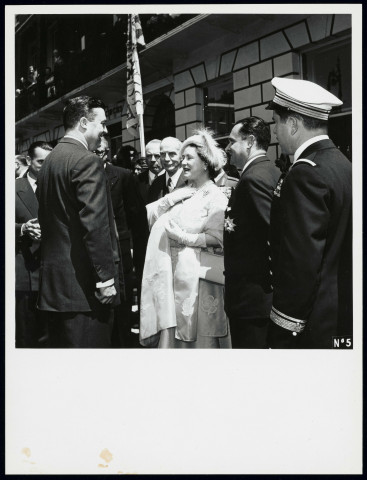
(311, 223)
(146, 178)
(248, 290)
(132, 228)
(21, 166)
(30, 325)
(174, 175)
(79, 276)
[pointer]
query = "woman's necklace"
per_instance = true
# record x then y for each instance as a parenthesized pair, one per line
(204, 188)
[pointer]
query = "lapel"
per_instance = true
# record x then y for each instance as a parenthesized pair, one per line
(112, 176)
(181, 181)
(27, 196)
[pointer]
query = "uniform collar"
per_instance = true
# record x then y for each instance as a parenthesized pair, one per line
(306, 144)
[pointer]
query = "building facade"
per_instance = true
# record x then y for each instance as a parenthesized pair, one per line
(210, 69)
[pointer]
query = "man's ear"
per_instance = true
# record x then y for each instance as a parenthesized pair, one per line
(293, 124)
(83, 122)
(28, 158)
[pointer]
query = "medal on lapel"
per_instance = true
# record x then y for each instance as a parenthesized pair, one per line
(229, 225)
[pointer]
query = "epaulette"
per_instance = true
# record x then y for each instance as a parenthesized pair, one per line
(310, 162)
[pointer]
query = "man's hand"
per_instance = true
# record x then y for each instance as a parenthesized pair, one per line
(106, 294)
(32, 229)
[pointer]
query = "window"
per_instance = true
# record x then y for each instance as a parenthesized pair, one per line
(330, 67)
(219, 106)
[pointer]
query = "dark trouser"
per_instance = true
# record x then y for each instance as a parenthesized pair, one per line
(30, 323)
(121, 332)
(249, 332)
(80, 329)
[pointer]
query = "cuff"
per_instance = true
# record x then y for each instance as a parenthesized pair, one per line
(287, 322)
(107, 283)
(22, 230)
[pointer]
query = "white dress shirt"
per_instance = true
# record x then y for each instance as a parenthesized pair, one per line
(174, 179)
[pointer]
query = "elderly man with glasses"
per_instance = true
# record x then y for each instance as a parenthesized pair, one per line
(147, 177)
(171, 162)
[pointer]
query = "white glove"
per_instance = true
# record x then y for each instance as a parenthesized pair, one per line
(190, 239)
(179, 195)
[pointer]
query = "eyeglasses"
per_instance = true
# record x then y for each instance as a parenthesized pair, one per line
(171, 155)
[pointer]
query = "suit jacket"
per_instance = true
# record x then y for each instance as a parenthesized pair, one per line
(130, 215)
(27, 252)
(248, 292)
(311, 237)
(79, 244)
(158, 188)
(144, 186)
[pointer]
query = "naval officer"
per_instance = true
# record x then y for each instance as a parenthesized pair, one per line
(311, 223)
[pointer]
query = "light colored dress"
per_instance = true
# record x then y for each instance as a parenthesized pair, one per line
(173, 295)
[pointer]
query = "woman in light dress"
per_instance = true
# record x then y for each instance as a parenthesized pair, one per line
(178, 308)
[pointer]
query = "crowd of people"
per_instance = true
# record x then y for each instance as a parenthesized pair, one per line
(259, 261)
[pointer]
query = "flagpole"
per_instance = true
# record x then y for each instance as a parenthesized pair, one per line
(134, 84)
(141, 134)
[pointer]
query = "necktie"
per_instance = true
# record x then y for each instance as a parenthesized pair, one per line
(169, 184)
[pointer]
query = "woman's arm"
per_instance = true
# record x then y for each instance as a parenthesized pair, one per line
(161, 206)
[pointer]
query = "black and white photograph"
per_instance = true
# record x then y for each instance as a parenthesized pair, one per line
(186, 177)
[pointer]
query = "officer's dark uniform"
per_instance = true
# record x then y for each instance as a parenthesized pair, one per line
(311, 242)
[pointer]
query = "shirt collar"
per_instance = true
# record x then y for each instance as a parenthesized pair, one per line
(83, 142)
(306, 144)
(262, 154)
(32, 181)
(174, 177)
(152, 176)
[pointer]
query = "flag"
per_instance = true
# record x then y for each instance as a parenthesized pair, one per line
(134, 95)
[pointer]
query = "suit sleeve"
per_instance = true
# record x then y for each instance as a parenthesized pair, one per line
(89, 182)
(305, 221)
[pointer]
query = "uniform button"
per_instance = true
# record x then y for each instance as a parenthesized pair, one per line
(270, 258)
(268, 243)
(271, 273)
(271, 286)
(294, 334)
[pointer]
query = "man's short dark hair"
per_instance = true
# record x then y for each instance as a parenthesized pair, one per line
(79, 107)
(40, 144)
(309, 123)
(257, 127)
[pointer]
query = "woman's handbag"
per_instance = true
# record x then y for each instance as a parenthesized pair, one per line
(211, 267)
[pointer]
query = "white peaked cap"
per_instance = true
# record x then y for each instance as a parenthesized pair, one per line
(304, 97)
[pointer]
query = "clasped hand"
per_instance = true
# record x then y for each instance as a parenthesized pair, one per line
(32, 229)
(174, 232)
(180, 194)
(106, 294)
